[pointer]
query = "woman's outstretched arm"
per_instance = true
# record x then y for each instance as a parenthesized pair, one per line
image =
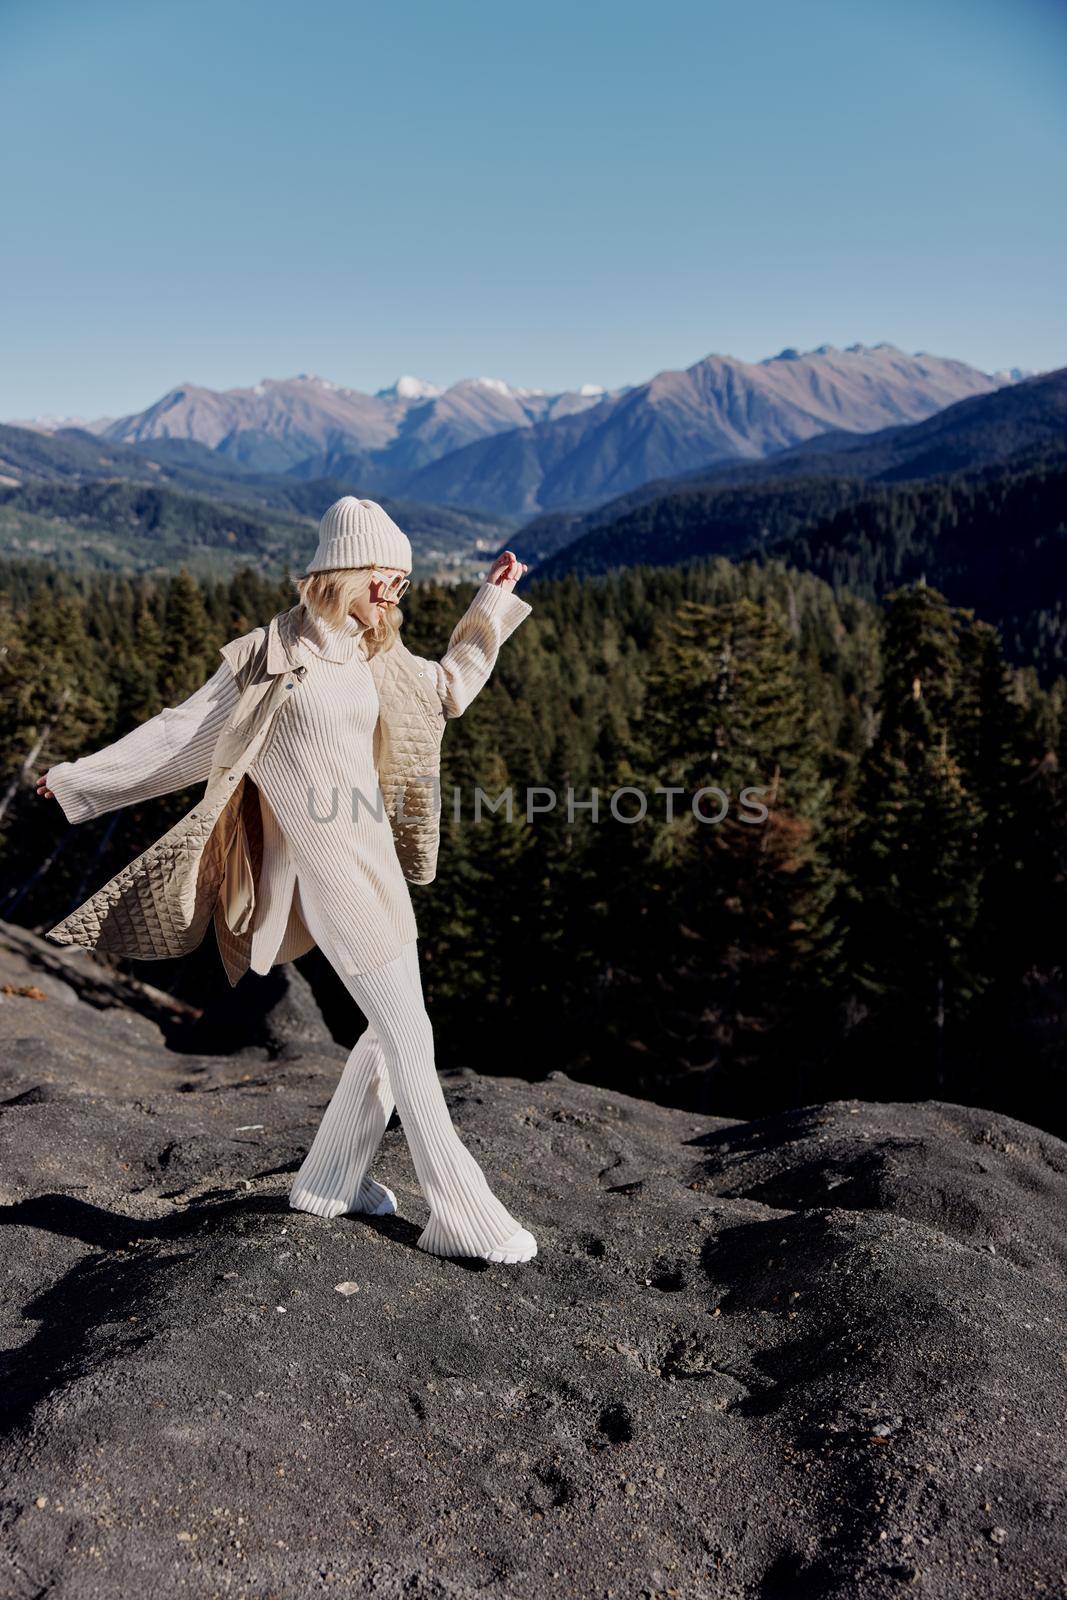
(492, 616)
(172, 750)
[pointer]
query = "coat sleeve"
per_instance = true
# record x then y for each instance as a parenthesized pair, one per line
(492, 616)
(172, 750)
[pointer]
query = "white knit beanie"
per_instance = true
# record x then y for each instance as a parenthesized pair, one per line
(358, 533)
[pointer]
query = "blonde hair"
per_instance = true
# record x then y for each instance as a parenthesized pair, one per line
(331, 595)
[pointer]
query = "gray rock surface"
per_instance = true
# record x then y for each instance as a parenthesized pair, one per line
(821, 1354)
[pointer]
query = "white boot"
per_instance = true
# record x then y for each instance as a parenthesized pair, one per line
(522, 1246)
(372, 1199)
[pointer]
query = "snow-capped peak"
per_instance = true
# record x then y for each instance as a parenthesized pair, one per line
(268, 385)
(409, 388)
(589, 389)
(497, 385)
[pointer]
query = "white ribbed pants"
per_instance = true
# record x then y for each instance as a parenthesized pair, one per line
(392, 1062)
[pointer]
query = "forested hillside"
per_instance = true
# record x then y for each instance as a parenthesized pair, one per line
(80, 502)
(121, 526)
(691, 522)
(892, 927)
(994, 539)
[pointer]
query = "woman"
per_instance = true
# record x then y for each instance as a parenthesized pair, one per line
(330, 871)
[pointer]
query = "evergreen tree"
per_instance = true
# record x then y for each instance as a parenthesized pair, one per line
(188, 652)
(916, 865)
(726, 717)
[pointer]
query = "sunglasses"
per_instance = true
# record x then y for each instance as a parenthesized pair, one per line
(394, 584)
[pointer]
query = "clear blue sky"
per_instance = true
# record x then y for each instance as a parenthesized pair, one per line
(550, 193)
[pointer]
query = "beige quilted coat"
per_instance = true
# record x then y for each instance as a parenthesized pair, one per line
(205, 869)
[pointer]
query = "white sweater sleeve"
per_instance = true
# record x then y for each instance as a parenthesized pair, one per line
(172, 750)
(492, 616)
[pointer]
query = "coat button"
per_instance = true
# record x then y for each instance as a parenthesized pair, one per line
(289, 685)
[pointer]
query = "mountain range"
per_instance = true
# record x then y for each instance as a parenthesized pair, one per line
(1028, 415)
(969, 499)
(485, 444)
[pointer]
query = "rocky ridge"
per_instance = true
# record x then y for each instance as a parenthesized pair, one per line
(820, 1354)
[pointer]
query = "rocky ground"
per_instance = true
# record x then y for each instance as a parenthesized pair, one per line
(821, 1354)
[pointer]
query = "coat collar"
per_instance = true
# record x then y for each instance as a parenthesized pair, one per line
(281, 642)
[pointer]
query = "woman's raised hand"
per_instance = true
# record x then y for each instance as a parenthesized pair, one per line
(43, 791)
(506, 570)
